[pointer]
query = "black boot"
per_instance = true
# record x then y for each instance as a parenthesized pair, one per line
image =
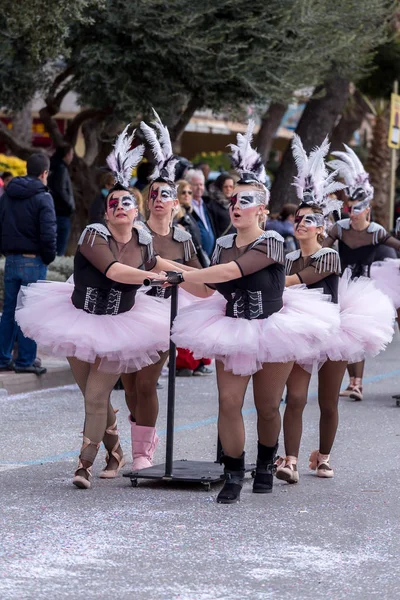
(234, 476)
(263, 480)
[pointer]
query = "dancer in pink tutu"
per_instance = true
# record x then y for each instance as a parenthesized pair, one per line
(386, 274)
(104, 328)
(361, 303)
(251, 326)
(172, 243)
(358, 238)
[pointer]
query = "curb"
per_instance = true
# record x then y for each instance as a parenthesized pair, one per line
(20, 383)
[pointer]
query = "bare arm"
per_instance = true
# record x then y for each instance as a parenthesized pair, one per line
(164, 264)
(196, 279)
(124, 274)
(196, 289)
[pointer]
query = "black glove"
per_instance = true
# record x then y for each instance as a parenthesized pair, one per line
(174, 278)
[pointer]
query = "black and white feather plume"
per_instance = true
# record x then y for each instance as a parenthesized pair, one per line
(350, 168)
(122, 159)
(313, 183)
(246, 160)
(161, 148)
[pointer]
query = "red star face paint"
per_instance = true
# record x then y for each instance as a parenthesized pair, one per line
(164, 193)
(126, 202)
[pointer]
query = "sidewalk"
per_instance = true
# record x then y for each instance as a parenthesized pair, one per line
(58, 373)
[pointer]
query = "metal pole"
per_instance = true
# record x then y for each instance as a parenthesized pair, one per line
(169, 454)
(393, 165)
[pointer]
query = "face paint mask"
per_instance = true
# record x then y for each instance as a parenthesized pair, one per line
(357, 194)
(248, 199)
(314, 220)
(164, 193)
(358, 208)
(126, 202)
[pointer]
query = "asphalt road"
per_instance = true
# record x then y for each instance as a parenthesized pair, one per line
(331, 539)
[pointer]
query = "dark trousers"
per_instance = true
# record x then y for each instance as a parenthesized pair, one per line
(63, 231)
(19, 270)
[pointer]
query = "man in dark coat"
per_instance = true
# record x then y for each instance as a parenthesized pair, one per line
(28, 240)
(61, 189)
(204, 220)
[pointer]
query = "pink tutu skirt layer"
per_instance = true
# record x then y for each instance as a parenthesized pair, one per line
(125, 343)
(386, 275)
(366, 321)
(296, 332)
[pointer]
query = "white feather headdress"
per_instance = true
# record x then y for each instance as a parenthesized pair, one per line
(247, 161)
(161, 148)
(351, 169)
(313, 183)
(122, 159)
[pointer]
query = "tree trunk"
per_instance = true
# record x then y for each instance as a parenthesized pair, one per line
(22, 124)
(318, 119)
(270, 122)
(178, 128)
(378, 166)
(351, 120)
(85, 184)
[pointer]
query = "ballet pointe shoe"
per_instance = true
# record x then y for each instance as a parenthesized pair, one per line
(112, 473)
(144, 444)
(234, 472)
(83, 474)
(346, 393)
(286, 469)
(320, 463)
(357, 393)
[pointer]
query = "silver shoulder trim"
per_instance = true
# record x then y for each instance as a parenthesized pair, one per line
(180, 235)
(290, 258)
(274, 245)
(144, 235)
(93, 230)
(326, 259)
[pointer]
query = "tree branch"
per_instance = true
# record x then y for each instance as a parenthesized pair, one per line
(53, 95)
(73, 128)
(270, 122)
(194, 103)
(20, 149)
(51, 126)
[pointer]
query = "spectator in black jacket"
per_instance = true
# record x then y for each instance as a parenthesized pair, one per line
(61, 189)
(220, 192)
(28, 234)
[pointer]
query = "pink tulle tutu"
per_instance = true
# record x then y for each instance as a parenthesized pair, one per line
(125, 343)
(366, 321)
(296, 332)
(386, 275)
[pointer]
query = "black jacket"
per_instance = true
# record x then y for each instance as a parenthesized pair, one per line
(27, 219)
(221, 218)
(60, 186)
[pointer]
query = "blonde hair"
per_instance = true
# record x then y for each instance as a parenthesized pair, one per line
(181, 185)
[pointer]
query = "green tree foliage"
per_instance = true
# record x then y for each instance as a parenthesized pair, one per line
(33, 36)
(123, 57)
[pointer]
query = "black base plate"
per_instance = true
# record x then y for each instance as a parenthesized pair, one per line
(185, 471)
(397, 398)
